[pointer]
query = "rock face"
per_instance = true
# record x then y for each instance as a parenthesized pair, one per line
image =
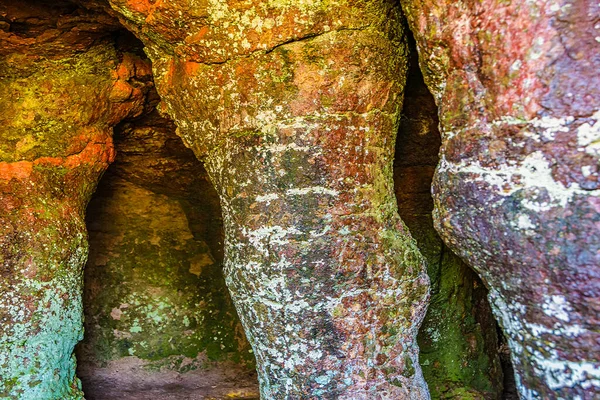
(294, 107)
(516, 191)
(458, 340)
(62, 88)
(154, 286)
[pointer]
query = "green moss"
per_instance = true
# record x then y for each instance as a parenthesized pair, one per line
(453, 348)
(41, 125)
(156, 302)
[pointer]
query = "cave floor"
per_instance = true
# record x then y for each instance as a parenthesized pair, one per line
(128, 380)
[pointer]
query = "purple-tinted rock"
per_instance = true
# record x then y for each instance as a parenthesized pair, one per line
(516, 190)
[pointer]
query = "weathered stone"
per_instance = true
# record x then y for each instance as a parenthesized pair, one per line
(458, 340)
(516, 191)
(62, 88)
(294, 108)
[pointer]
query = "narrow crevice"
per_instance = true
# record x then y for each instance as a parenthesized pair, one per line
(510, 385)
(459, 342)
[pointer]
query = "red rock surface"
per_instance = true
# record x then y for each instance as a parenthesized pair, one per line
(294, 107)
(516, 191)
(62, 88)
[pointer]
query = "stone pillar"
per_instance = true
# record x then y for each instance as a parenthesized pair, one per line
(60, 94)
(294, 107)
(516, 190)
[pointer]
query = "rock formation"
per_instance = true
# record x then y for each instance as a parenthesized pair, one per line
(62, 88)
(516, 191)
(294, 108)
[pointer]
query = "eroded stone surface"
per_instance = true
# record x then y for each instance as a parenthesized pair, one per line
(516, 191)
(294, 106)
(62, 88)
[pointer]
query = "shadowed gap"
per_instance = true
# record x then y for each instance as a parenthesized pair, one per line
(461, 351)
(158, 318)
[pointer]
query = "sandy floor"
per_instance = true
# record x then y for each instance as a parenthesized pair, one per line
(128, 380)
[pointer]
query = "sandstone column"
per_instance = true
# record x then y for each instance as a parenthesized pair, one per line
(61, 91)
(293, 106)
(516, 191)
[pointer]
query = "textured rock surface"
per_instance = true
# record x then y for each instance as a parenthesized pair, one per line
(294, 107)
(516, 191)
(62, 88)
(154, 287)
(458, 339)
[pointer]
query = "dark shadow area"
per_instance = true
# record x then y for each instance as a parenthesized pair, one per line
(159, 322)
(461, 353)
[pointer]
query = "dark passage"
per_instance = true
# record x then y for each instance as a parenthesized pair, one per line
(159, 322)
(460, 352)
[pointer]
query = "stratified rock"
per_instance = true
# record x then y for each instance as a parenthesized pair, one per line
(516, 191)
(294, 107)
(62, 88)
(458, 340)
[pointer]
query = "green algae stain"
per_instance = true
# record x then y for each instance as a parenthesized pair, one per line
(456, 354)
(36, 352)
(41, 119)
(156, 301)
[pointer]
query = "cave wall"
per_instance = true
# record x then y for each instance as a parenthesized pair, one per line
(294, 108)
(154, 289)
(54, 144)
